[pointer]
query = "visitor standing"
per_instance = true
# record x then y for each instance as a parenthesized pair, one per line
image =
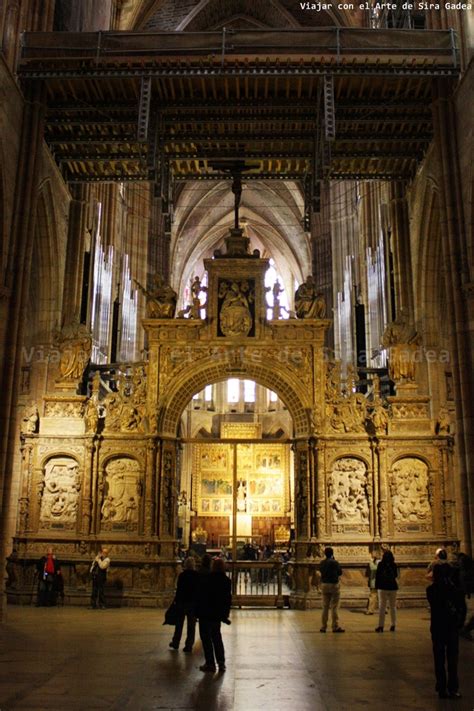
(330, 571)
(47, 568)
(370, 573)
(387, 587)
(214, 601)
(444, 598)
(99, 567)
(186, 600)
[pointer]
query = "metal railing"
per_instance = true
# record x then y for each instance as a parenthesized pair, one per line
(341, 44)
(259, 583)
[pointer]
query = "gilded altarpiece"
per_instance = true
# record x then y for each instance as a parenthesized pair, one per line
(368, 470)
(262, 479)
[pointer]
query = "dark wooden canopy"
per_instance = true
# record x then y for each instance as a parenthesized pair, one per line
(286, 104)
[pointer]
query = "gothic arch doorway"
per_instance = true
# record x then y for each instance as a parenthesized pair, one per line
(236, 485)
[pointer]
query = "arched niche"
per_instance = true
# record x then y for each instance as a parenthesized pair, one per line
(121, 492)
(349, 495)
(411, 492)
(60, 492)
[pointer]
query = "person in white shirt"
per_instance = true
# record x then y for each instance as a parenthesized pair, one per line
(98, 572)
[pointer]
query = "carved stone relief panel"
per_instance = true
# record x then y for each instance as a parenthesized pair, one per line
(121, 495)
(349, 496)
(410, 491)
(60, 493)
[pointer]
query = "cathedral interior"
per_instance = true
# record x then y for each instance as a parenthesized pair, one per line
(236, 290)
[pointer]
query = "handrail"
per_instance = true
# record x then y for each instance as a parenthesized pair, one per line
(334, 40)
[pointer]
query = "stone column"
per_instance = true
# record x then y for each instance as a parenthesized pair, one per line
(372, 491)
(459, 295)
(18, 271)
(167, 490)
(150, 488)
(24, 502)
(87, 479)
(19, 265)
(302, 489)
(320, 488)
(383, 491)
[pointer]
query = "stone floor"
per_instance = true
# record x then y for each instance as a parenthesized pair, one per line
(73, 659)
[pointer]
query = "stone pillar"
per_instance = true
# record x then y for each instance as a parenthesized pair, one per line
(10, 33)
(24, 503)
(19, 268)
(383, 491)
(167, 491)
(459, 295)
(320, 490)
(87, 479)
(150, 488)
(302, 492)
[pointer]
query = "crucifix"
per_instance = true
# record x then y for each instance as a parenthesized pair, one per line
(237, 190)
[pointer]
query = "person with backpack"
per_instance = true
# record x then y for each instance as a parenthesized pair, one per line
(387, 587)
(443, 597)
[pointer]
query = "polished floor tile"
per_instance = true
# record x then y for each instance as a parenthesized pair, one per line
(72, 659)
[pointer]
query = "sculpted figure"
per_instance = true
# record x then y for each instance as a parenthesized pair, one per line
(309, 303)
(235, 318)
(193, 310)
(380, 419)
(30, 419)
(443, 424)
(161, 298)
(91, 416)
(402, 341)
(75, 344)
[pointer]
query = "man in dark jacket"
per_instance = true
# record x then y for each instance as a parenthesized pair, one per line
(444, 603)
(331, 571)
(214, 601)
(186, 599)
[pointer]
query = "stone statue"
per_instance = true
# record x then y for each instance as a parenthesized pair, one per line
(241, 497)
(235, 318)
(379, 419)
(402, 341)
(193, 310)
(161, 298)
(309, 303)
(30, 420)
(276, 291)
(443, 424)
(75, 345)
(91, 416)
(131, 511)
